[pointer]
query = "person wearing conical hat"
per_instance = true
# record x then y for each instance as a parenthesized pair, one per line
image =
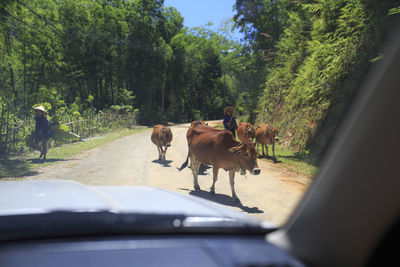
(230, 120)
(42, 131)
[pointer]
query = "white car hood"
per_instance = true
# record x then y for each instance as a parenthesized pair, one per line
(44, 196)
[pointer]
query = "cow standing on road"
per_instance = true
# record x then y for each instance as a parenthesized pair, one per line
(161, 137)
(219, 148)
(246, 132)
(266, 134)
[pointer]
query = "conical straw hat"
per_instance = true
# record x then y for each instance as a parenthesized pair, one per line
(229, 108)
(41, 108)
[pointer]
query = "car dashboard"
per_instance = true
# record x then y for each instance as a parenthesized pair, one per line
(168, 250)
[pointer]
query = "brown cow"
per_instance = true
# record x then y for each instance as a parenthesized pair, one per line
(246, 132)
(266, 134)
(198, 122)
(161, 137)
(219, 148)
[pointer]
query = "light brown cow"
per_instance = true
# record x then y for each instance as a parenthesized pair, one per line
(198, 122)
(219, 148)
(161, 137)
(266, 134)
(246, 132)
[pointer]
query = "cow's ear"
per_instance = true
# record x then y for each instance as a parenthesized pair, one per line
(206, 123)
(235, 149)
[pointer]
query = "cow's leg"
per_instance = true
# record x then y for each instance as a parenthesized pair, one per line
(232, 183)
(164, 153)
(257, 145)
(194, 166)
(262, 148)
(266, 150)
(159, 152)
(215, 178)
(273, 151)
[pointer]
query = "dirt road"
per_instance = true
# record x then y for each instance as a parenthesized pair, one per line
(132, 160)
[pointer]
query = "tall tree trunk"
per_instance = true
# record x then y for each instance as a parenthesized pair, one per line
(100, 90)
(24, 86)
(40, 76)
(12, 83)
(162, 93)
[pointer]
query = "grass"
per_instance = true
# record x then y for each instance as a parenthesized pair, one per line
(17, 166)
(301, 162)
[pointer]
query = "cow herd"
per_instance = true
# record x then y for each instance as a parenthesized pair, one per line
(220, 149)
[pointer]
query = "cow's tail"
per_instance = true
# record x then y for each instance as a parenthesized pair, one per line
(184, 165)
(189, 140)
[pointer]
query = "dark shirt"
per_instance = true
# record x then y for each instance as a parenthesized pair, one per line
(42, 126)
(230, 123)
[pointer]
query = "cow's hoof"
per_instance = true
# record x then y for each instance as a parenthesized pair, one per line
(236, 200)
(212, 192)
(197, 187)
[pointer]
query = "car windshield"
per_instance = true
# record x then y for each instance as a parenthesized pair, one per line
(231, 102)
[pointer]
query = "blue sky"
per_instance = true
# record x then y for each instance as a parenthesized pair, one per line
(200, 12)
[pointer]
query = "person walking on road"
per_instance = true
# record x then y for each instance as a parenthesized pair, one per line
(230, 120)
(42, 131)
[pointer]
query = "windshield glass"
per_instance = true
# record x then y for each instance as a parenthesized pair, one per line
(234, 102)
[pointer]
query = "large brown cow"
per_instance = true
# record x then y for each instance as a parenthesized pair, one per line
(161, 137)
(219, 148)
(246, 132)
(266, 134)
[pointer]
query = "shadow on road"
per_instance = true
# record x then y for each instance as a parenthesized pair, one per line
(164, 163)
(222, 199)
(303, 157)
(39, 161)
(203, 169)
(15, 168)
(274, 160)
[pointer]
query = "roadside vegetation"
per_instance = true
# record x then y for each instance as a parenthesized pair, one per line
(303, 162)
(323, 54)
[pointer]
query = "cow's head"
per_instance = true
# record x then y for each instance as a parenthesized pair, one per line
(251, 132)
(165, 136)
(247, 157)
(272, 132)
(275, 132)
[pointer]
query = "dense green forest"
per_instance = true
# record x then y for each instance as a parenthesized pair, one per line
(317, 54)
(79, 55)
(297, 67)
